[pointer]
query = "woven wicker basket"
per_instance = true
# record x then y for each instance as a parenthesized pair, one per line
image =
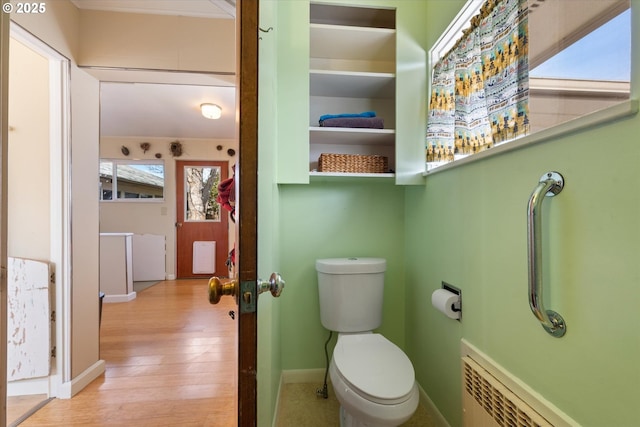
(352, 163)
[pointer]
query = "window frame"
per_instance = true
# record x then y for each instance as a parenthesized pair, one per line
(447, 40)
(114, 177)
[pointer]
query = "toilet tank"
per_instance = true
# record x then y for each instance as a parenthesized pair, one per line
(351, 293)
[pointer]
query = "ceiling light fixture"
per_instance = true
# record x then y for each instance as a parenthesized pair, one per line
(211, 111)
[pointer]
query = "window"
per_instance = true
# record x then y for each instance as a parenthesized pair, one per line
(579, 64)
(131, 180)
(579, 60)
(201, 193)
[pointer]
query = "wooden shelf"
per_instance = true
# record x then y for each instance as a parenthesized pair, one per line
(351, 136)
(375, 17)
(346, 177)
(351, 84)
(352, 43)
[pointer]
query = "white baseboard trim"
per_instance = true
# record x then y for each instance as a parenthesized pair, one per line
(276, 413)
(69, 389)
(296, 376)
(28, 387)
(120, 297)
(431, 408)
(171, 277)
(293, 376)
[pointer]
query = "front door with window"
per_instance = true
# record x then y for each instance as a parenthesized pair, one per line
(202, 226)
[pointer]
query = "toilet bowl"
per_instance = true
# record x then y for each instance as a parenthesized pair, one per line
(370, 393)
(373, 379)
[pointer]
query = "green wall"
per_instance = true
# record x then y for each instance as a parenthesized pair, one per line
(329, 220)
(467, 226)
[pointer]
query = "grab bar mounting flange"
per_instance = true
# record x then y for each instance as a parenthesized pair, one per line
(558, 183)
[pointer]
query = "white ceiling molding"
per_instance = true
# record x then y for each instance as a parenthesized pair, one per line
(221, 9)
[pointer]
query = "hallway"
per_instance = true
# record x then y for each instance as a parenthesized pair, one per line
(170, 360)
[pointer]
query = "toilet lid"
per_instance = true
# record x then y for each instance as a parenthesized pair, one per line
(374, 365)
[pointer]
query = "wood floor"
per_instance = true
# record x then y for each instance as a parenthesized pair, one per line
(170, 361)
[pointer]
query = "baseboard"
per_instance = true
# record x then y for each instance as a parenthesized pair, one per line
(120, 297)
(431, 408)
(69, 389)
(28, 387)
(276, 413)
(171, 277)
(293, 376)
(296, 376)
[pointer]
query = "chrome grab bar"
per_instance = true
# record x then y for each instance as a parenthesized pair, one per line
(550, 184)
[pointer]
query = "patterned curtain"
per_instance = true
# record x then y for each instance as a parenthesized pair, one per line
(480, 88)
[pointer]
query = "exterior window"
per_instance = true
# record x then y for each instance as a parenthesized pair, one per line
(579, 62)
(131, 180)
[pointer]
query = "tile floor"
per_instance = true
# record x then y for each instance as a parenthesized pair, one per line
(300, 407)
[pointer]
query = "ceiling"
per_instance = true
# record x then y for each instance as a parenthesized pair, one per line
(164, 104)
(165, 110)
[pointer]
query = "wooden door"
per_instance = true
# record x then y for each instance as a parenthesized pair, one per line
(202, 226)
(247, 202)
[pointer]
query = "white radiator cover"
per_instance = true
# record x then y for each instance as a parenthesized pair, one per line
(487, 402)
(492, 397)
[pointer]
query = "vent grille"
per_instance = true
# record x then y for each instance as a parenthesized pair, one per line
(497, 400)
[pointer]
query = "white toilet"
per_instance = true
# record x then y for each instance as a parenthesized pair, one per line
(373, 379)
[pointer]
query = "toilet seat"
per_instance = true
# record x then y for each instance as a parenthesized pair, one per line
(374, 367)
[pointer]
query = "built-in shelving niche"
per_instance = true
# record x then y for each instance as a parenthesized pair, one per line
(352, 69)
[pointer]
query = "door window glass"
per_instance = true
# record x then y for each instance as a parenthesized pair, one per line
(201, 192)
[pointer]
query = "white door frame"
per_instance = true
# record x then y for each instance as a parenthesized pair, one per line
(59, 205)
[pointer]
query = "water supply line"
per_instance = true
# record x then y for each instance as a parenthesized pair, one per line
(550, 184)
(324, 391)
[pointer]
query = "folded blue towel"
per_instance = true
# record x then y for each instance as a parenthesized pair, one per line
(338, 116)
(354, 122)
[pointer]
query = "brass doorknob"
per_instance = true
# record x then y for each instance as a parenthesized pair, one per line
(219, 287)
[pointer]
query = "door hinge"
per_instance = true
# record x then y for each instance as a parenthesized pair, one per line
(52, 278)
(53, 352)
(53, 315)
